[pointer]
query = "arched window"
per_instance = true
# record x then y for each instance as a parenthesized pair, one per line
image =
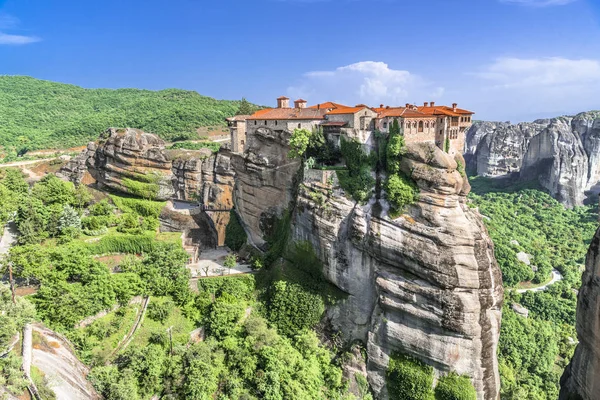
(415, 124)
(299, 126)
(420, 126)
(385, 125)
(427, 124)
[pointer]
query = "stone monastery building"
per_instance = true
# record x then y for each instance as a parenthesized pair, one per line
(426, 123)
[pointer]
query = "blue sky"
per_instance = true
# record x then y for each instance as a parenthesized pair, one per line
(504, 59)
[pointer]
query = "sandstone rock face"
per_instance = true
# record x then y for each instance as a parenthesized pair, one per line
(264, 181)
(137, 163)
(561, 153)
(425, 284)
(581, 379)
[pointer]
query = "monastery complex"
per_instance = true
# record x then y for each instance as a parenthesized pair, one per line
(426, 123)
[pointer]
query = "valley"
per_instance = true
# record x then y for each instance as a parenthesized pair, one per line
(298, 267)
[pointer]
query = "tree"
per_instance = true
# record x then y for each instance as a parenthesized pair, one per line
(230, 262)
(299, 142)
(69, 223)
(246, 108)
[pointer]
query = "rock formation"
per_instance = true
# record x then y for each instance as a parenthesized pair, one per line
(137, 163)
(265, 179)
(561, 153)
(581, 379)
(426, 283)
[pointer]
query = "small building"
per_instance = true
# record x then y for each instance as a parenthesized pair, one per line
(237, 132)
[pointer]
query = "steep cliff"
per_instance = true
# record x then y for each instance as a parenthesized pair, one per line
(265, 179)
(425, 284)
(581, 379)
(561, 153)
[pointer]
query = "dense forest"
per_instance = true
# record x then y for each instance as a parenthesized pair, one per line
(523, 219)
(37, 114)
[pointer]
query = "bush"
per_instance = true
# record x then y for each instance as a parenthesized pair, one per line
(102, 209)
(455, 387)
(357, 181)
(241, 287)
(224, 315)
(129, 244)
(145, 190)
(145, 208)
(293, 308)
(235, 235)
(409, 379)
(401, 191)
(160, 311)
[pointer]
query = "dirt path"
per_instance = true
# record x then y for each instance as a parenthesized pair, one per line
(65, 373)
(9, 237)
(556, 277)
(125, 342)
(28, 162)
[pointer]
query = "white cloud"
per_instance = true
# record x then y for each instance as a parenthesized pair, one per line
(7, 22)
(541, 72)
(369, 82)
(17, 39)
(539, 3)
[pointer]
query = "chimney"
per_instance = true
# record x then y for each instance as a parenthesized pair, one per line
(454, 105)
(283, 102)
(381, 106)
(426, 104)
(407, 105)
(300, 103)
(433, 104)
(389, 107)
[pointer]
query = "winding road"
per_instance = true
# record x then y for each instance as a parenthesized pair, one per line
(556, 277)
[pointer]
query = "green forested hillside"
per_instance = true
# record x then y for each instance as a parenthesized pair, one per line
(36, 114)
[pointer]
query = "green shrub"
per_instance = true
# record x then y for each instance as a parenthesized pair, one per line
(235, 235)
(409, 379)
(129, 244)
(293, 308)
(141, 189)
(239, 286)
(160, 311)
(357, 181)
(145, 208)
(455, 387)
(224, 315)
(101, 209)
(401, 191)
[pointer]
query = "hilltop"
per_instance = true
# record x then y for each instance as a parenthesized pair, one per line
(37, 114)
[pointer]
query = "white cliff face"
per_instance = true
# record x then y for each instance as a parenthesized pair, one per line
(581, 379)
(562, 154)
(426, 284)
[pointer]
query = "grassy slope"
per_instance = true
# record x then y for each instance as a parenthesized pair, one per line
(36, 114)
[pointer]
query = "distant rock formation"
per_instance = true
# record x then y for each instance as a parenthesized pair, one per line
(581, 379)
(562, 153)
(426, 284)
(137, 163)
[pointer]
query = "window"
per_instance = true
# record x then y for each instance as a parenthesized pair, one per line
(242, 142)
(275, 123)
(255, 122)
(299, 126)
(385, 125)
(420, 126)
(414, 124)
(265, 122)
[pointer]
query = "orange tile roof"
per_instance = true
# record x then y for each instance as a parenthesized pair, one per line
(328, 104)
(346, 110)
(288, 113)
(444, 110)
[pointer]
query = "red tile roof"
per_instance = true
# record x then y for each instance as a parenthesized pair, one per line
(328, 104)
(288, 113)
(346, 110)
(283, 98)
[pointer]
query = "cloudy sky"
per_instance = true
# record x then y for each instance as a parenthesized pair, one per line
(504, 59)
